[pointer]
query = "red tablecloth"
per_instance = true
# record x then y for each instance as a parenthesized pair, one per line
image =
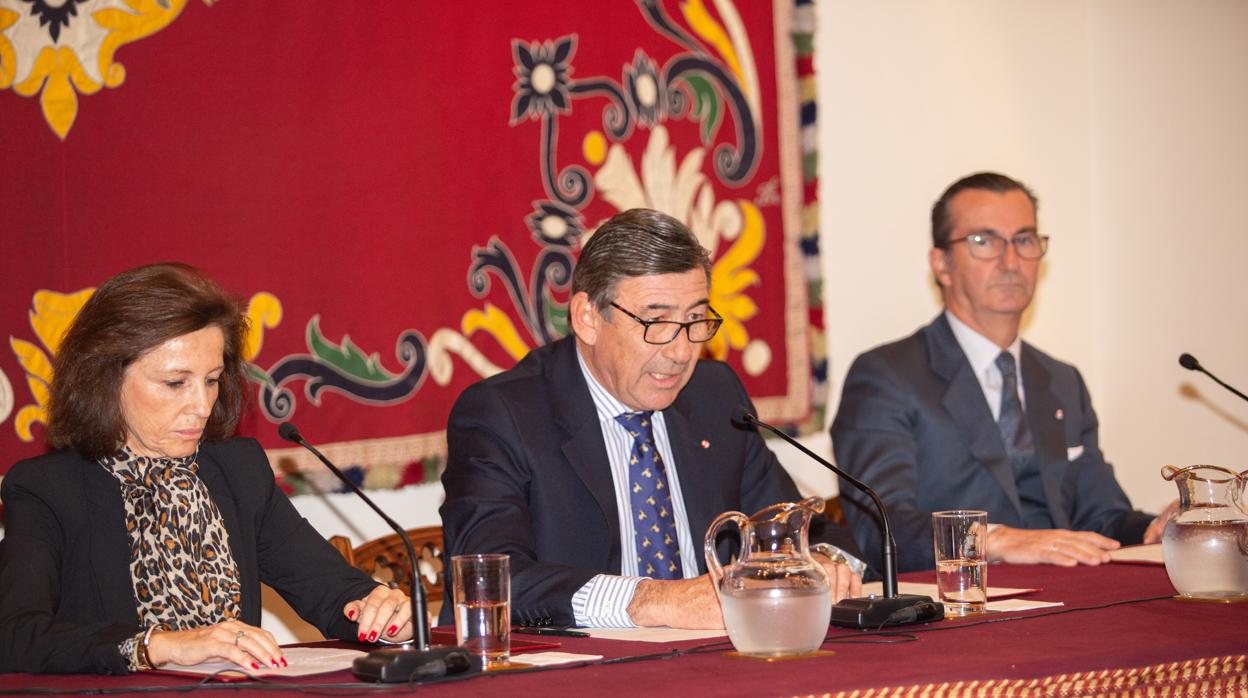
(1120, 649)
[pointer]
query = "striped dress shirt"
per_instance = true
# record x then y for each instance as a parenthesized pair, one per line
(603, 601)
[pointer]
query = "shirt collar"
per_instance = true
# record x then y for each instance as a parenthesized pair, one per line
(980, 351)
(605, 403)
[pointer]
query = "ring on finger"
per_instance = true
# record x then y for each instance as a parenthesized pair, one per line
(238, 636)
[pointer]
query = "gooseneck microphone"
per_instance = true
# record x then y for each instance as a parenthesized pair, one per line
(867, 611)
(398, 663)
(1190, 363)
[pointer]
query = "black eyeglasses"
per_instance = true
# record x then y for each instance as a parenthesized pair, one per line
(666, 331)
(988, 245)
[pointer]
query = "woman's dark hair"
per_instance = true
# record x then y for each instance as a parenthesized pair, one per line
(131, 314)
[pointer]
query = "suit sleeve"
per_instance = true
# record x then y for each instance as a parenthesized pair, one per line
(31, 556)
(1099, 503)
(294, 558)
(873, 440)
(486, 510)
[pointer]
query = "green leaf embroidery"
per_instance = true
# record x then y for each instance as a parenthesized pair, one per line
(706, 104)
(346, 357)
(556, 316)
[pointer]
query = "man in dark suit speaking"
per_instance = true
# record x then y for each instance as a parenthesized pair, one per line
(965, 415)
(598, 461)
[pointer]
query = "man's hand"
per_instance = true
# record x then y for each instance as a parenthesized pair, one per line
(1153, 533)
(678, 603)
(1054, 546)
(693, 603)
(845, 584)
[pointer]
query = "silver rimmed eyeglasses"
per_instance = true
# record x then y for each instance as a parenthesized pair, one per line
(666, 331)
(989, 245)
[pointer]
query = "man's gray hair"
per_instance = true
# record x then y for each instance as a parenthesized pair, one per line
(636, 242)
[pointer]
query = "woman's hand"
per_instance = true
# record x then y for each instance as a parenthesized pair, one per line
(234, 641)
(384, 614)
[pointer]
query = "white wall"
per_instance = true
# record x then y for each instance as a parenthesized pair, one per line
(1130, 121)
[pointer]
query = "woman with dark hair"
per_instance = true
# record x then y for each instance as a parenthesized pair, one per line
(143, 539)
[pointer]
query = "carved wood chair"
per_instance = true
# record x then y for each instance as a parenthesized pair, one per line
(385, 559)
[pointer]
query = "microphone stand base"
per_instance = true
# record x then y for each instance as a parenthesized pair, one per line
(871, 612)
(401, 664)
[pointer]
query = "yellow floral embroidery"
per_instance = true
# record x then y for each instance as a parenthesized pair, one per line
(8, 57)
(264, 311)
(499, 325)
(51, 315)
(58, 73)
(731, 275)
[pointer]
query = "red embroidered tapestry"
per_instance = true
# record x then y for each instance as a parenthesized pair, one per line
(399, 190)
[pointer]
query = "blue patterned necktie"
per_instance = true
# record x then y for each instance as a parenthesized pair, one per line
(658, 550)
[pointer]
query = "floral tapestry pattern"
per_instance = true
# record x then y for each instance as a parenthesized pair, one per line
(409, 225)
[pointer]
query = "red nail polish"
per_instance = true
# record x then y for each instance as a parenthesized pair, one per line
(283, 661)
(392, 630)
(255, 666)
(275, 664)
(363, 637)
(372, 637)
(351, 614)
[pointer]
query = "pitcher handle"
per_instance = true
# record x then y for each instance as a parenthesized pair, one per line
(712, 555)
(1236, 493)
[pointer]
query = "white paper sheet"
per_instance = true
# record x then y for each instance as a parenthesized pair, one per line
(1014, 605)
(550, 658)
(1139, 554)
(651, 634)
(877, 588)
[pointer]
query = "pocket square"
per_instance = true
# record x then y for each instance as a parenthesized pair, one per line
(1073, 452)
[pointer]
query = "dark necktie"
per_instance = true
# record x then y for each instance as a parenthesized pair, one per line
(1011, 421)
(658, 550)
(1020, 448)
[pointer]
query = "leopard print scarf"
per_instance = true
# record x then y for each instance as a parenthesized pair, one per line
(180, 561)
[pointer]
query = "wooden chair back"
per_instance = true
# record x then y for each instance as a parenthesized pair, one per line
(385, 559)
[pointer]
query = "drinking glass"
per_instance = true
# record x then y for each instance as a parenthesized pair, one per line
(960, 538)
(481, 589)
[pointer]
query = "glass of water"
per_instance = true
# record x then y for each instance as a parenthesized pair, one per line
(481, 588)
(960, 539)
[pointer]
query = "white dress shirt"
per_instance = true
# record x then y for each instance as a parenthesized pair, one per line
(603, 601)
(982, 353)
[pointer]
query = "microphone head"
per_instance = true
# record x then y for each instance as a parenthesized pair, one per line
(1189, 362)
(743, 418)
(287, 431)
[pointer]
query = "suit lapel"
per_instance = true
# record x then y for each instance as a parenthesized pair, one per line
(964, 401)
(1048, 433)
(585, 449)
(110, 549)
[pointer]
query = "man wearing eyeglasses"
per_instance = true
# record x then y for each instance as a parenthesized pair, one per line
(965, 415)
(599, 461)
